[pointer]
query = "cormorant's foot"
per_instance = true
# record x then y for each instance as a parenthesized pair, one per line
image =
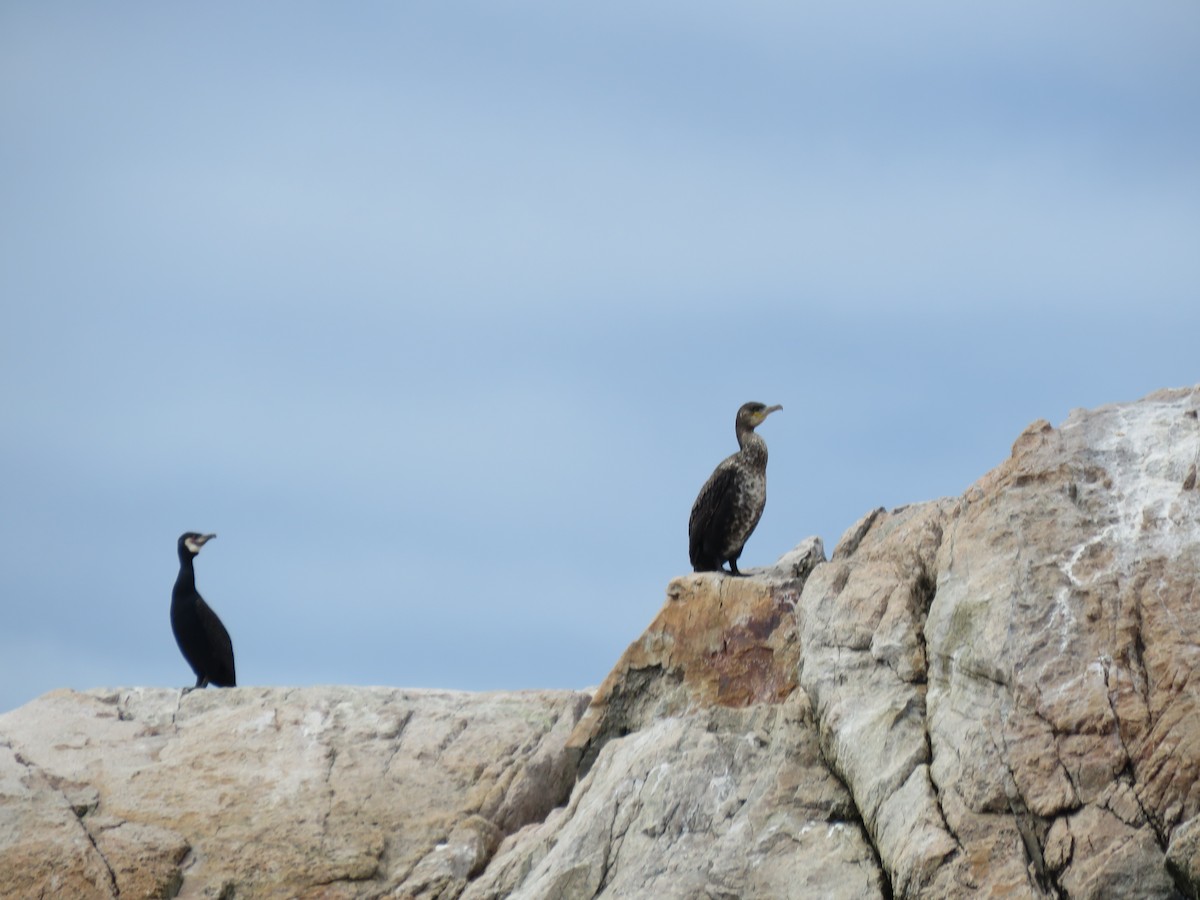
(186, 690)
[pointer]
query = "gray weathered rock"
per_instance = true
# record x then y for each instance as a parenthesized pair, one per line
(1183, 858)
(312, 792)
(721, 803)
(707, 778)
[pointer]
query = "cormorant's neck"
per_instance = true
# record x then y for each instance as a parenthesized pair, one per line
(753, 447)
(187, 574)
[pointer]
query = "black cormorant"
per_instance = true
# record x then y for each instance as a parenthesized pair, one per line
(201, 636)
(732, 500)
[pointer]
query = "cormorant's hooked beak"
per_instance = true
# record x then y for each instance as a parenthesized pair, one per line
(762, 415)
(195, 543)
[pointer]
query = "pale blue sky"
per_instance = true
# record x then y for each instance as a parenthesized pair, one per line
(439, 314)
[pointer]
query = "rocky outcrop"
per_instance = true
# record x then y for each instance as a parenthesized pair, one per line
(993, 695)
(718, 642)
(244, 792)
(704, 773)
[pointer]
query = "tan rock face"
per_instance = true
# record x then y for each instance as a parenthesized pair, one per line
(1007, 681)
(988, 696)
(313, 792)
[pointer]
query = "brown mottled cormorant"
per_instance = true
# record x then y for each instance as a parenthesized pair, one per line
(201, 636)
(732, 500)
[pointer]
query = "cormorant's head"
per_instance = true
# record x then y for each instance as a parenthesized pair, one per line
(191, 542)
(751, 415)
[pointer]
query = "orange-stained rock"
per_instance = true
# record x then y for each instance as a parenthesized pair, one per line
(718, 640)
